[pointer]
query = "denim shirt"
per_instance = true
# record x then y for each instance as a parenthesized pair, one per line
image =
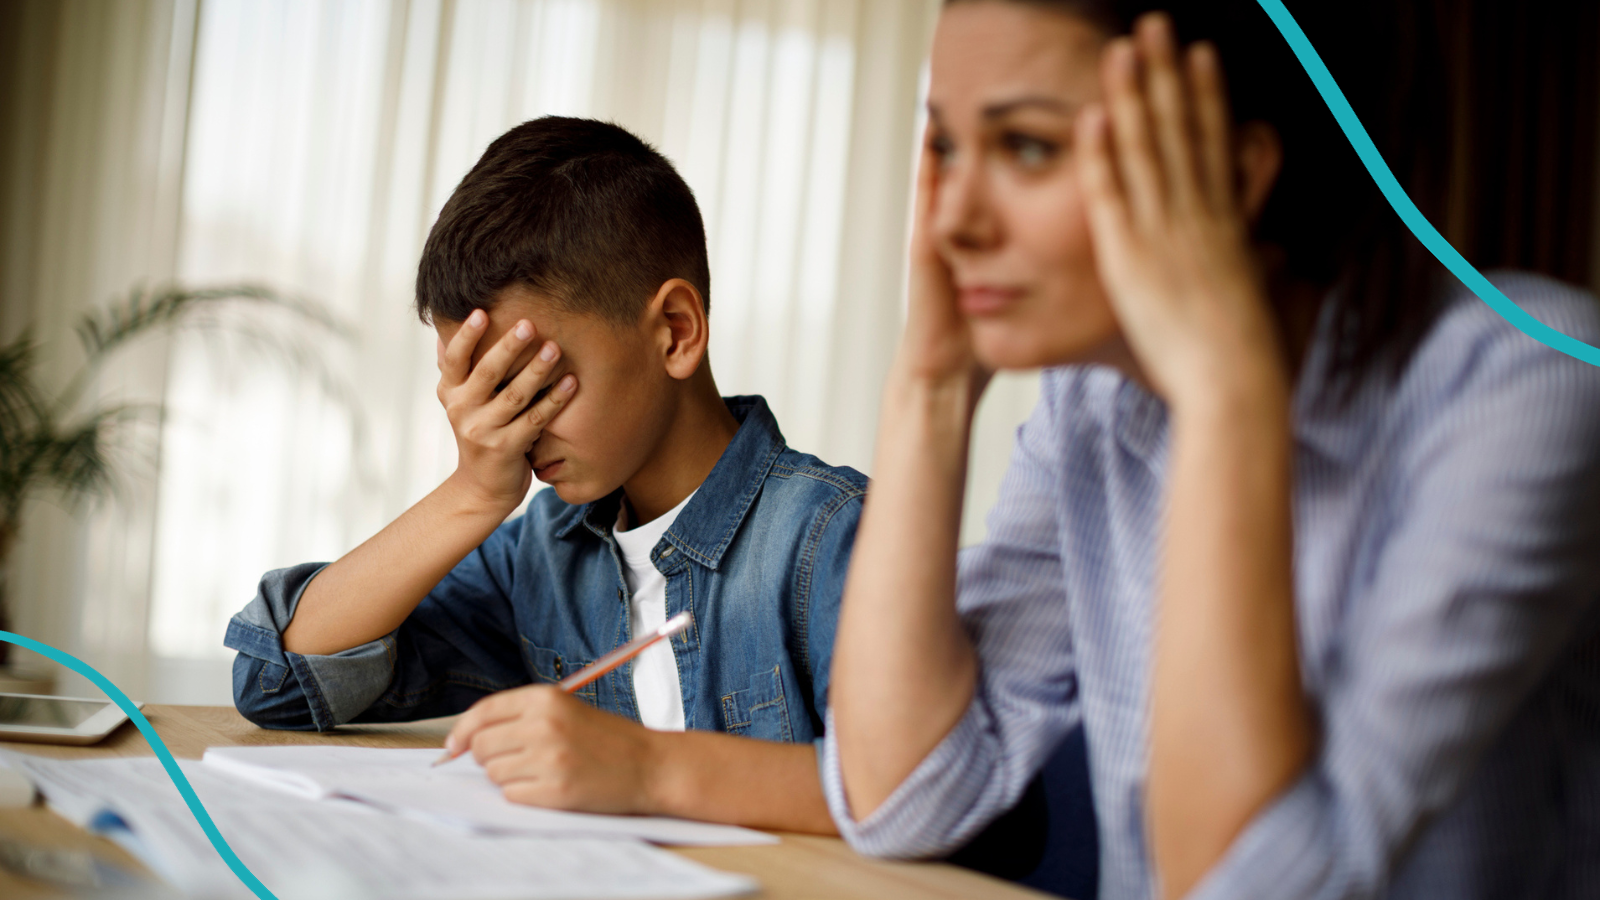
(759, 555)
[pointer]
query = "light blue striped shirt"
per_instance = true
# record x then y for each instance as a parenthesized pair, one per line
(1447, 578)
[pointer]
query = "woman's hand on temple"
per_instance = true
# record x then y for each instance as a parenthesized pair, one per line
(903, 665)
(936, 346)
(1169, 205)
(1171, 231)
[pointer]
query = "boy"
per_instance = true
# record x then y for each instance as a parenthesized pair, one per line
(568, 282)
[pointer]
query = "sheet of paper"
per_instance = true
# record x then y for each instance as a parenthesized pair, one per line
(321, 850)
(457, 793)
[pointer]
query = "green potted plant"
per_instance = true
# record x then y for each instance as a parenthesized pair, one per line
(69, 444)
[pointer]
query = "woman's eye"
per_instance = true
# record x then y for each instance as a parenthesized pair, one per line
(943, 148)
(1030, 152)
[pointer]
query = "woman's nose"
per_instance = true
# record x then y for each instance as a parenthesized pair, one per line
(964, 218)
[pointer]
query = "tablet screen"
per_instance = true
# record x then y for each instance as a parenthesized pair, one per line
(51, 712)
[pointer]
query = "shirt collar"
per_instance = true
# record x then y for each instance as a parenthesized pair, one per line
(1340, 433)
(708, 524)
(1139, 419)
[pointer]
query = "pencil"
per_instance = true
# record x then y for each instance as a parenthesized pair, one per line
(612, 660)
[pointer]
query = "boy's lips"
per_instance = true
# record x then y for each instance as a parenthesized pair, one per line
(986, 300)
(543, 472)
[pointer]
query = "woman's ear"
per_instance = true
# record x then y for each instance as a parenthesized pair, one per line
(683, 330)
(1258, 158)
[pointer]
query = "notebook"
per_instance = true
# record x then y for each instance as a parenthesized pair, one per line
(457, 793)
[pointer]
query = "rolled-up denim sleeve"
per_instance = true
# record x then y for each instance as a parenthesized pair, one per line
(278, 689)
(1011, 598)
(459, 644)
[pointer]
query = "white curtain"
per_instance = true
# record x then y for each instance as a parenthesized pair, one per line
(322, 138)
(94, 100)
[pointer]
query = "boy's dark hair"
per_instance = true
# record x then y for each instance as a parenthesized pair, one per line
(578, 210)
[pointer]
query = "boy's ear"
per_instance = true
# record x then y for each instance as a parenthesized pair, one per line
(683, 332)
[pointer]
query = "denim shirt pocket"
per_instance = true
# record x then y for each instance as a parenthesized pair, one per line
(548, 667)
(759, 711)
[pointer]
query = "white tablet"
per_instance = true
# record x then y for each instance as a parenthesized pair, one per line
(57, 720)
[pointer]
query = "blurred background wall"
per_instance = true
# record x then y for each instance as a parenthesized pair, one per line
(307, 145)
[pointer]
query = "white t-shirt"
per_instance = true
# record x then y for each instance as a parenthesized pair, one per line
(655, 672)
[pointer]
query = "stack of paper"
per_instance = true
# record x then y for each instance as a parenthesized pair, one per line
(306, 849)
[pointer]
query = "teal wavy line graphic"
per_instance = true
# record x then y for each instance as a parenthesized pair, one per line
(1397, 197)
(161, 751)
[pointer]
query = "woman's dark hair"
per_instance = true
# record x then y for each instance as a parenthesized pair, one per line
(1325, 213)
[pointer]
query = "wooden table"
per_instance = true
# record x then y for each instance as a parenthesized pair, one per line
(802, 867)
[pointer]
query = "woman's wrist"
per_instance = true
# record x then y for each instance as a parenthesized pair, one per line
(1248, 388)
(946, 401)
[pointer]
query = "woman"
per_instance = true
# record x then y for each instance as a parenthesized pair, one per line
(1306, 538)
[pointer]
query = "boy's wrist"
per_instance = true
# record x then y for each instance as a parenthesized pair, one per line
(469, 499)
(660, 775)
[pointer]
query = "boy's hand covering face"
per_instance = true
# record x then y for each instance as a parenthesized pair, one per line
(544, 747)
(495, 420)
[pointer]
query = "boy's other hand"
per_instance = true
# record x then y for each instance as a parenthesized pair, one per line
(544, 747)
(497, 421)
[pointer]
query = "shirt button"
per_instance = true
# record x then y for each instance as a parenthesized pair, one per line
(667, 552)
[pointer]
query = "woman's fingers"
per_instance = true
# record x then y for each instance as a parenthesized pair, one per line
(1213, 124)
(927, 185)
(1135, 154)
(1170, 122)
(929, 275)
(1097, 175)
(1171, 112)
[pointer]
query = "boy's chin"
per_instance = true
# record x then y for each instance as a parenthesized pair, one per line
(578, 493)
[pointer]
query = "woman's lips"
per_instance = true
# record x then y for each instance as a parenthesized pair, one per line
(986, 300)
